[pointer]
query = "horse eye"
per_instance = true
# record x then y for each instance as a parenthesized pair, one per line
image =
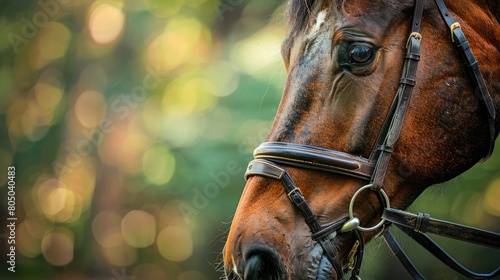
(360, 53)
(357, 57)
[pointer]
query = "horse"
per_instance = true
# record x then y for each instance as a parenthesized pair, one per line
(382, 100)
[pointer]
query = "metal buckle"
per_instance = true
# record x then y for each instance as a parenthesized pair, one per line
(452, 28)
(415, 35)
(351, 254)
(386, 202)
(293, 191)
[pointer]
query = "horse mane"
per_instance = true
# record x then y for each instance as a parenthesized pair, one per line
(297, 13)
(495, 9)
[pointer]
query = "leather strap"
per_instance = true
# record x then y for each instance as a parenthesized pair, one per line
(423, 223)
(431, 246)
(458, 37)
(310, 157)
(416, 226)
(402, 257)
(320, 234)
(402, 99)
(328, 229)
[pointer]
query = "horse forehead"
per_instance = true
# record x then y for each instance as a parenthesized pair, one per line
(320, 20)
(331, 19)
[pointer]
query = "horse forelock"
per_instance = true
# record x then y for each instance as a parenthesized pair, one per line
(298, 12)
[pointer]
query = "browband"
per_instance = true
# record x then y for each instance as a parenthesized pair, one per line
(310, 157)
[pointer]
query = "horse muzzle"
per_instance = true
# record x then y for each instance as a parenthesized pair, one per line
(261, 262)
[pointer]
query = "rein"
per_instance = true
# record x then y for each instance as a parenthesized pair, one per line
(270, 156)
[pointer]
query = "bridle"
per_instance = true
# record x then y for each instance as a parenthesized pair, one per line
(270, 156)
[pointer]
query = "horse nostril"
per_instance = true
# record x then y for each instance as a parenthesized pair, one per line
(255, 268)
(262, 263)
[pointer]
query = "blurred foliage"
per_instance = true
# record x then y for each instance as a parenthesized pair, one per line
(130, 124)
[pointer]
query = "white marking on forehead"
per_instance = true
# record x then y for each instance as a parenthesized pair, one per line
(320, 19)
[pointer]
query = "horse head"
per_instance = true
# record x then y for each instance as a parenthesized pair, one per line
(360, 127)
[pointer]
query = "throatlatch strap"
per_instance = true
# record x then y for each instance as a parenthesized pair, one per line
(458, 37)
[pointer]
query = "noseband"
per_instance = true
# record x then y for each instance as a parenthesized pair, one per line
(270, 157)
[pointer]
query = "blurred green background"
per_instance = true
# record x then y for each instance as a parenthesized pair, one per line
(130, 124)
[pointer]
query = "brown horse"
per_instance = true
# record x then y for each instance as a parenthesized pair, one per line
(331, 172)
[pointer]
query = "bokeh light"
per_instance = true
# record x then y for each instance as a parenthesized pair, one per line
(175, 243)
(52, 43)
(491, 197)
(29, 233)
(15, 114)
(90, 108)
(222, 78)
(57, 248)
(120, 255)
(185, 40)
(258, 52)
(183, 97)
(163, 9)
(158, 165)
(139, 229)
(107, 229)
(106, 23)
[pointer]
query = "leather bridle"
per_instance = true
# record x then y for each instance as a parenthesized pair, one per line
(270, 157)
